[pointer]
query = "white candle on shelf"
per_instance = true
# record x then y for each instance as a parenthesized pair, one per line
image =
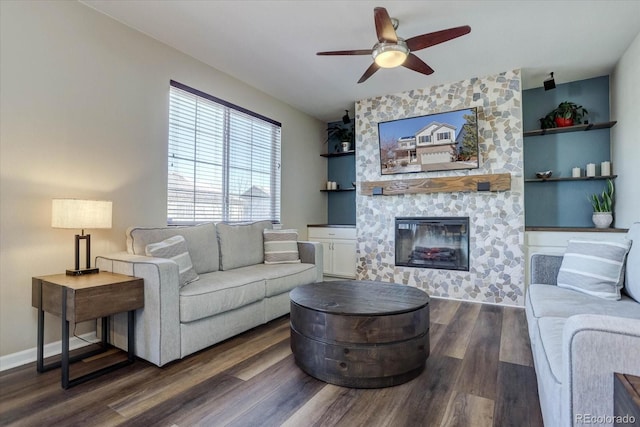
(591, 169)
(575, 172)
(605, 168)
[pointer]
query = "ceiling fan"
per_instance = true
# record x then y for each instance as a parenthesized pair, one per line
(392, 51)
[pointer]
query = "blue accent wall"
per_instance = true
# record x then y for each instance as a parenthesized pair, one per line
(564, 203)
(342, 170)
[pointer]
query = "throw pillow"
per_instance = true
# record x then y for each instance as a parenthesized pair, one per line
(175, 248)
(281, 246)
(241, 245)
(594, 268)
(632, 272)
(201, 240)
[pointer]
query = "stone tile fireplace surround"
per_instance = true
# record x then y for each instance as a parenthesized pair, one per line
(496, 219)
(432, 242)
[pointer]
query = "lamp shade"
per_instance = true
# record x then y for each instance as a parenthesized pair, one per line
(80, 214)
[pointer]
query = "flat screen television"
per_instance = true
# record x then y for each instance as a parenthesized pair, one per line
(434, 142)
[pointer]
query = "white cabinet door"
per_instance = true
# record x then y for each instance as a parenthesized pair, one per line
(344, 258)
(327, 268)
(338, 248)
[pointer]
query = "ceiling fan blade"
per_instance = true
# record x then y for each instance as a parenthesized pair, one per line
(384, 27)
(432, 39)
(346, 52)
(372, 69)
(416, 64)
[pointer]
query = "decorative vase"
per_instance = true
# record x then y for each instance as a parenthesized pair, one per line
(602, 219)
(345, 146)
(561, 122)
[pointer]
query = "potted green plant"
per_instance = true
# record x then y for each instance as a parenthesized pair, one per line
(344, 134)
(566, 114)
(603, 206)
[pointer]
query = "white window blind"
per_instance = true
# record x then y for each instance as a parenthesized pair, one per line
(224, 161)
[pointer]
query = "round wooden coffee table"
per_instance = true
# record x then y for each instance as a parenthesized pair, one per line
(360, 334)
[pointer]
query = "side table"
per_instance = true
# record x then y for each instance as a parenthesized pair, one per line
(626, 399)
(80, 298)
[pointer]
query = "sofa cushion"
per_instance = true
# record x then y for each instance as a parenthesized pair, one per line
(594, 267)
(281, 246)
(175, 248)
(219, 292)
(550, 329)
(632, 274)
(241, 244)
(554, 301)
(549, 390)
(201, 243)
(281, 278)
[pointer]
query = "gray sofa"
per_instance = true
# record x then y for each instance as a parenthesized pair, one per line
(236, 290)
(579, 340)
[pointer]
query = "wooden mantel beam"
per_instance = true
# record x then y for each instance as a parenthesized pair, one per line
(448, 184)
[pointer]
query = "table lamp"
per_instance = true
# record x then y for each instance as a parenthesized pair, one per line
(81, 214)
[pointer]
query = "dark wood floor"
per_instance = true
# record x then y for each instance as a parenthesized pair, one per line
(479, 374)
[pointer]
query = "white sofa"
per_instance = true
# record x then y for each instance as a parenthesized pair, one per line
(236, 290)
(578, 341)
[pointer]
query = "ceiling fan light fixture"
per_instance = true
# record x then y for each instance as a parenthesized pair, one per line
(392, 51)
(390, 55)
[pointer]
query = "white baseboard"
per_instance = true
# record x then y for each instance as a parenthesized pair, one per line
(499, 304)
(23, 357)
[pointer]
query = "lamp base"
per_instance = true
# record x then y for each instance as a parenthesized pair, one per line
(82, 272)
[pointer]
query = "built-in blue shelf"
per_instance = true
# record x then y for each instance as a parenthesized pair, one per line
(582, 178)
(576, 128)
(564, 201)
(341, 168)
(339, 153)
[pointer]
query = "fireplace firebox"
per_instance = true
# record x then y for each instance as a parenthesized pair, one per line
(433, 242)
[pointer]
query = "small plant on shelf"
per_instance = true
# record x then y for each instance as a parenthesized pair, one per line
(603, 202)
(603, 206)
(565, 114)
(341, 134)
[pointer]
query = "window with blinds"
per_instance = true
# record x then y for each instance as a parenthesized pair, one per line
(224, 161)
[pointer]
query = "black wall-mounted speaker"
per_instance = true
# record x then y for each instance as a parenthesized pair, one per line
(484, 186)
(549, 84)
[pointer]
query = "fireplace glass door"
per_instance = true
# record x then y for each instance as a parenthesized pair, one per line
(433, 242)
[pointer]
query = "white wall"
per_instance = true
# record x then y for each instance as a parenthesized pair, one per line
(625, 135)
(84, 115)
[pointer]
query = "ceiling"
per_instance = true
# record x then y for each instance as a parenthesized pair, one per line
(271, 45)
